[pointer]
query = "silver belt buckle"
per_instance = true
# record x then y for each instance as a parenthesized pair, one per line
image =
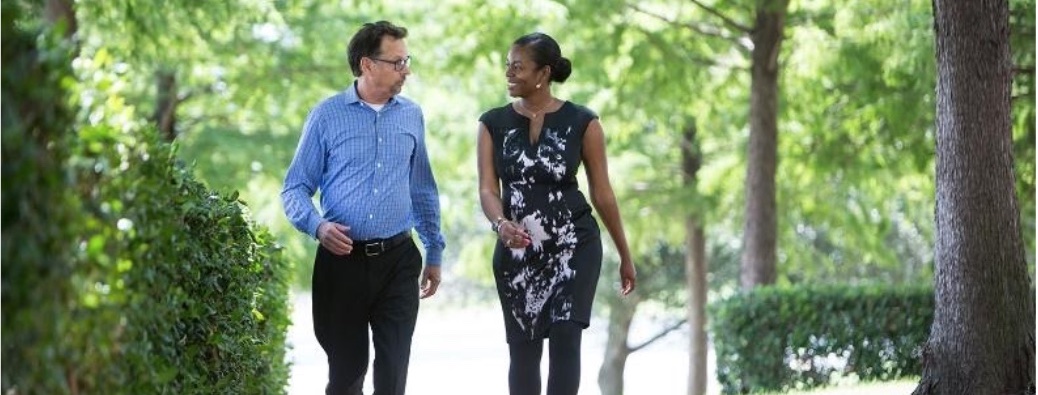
(373, 249)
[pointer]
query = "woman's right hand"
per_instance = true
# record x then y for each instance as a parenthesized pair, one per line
(513, 236)
(628, 278)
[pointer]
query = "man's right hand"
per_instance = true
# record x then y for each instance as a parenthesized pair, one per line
(333, 237)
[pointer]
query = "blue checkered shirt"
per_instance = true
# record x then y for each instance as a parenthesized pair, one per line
(372, 169)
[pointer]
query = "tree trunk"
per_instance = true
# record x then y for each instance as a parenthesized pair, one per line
(165, 116)
(698, 351)
(611, 373)
(695, 270)
(61, 11)
(982, 338)
(759, 236)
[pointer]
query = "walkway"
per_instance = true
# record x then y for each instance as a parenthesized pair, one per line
(462, 352)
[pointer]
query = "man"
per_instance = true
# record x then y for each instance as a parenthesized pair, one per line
(364, 148)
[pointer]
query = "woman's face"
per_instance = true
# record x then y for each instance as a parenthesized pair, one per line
(522, 73)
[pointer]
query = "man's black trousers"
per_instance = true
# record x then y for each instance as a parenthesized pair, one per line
(355, 291)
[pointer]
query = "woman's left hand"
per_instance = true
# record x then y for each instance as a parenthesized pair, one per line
(628, 278)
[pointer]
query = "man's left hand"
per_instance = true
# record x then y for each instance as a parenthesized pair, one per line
(430, 281)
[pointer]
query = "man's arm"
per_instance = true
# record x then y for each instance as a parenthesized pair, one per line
(425, 199)
(304, 177)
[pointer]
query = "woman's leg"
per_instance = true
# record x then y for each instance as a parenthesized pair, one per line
(564, 358)
(524, 371)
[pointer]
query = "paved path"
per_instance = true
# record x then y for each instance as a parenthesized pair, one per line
(462, 352)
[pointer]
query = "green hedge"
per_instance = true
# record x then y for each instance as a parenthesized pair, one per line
(201, 293)
(775, 339)
(121, 273)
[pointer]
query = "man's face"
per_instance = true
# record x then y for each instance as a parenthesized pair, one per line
(383, 72)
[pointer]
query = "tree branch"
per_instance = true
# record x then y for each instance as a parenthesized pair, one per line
(691, 59)
(183, 97)
(1023, 70)
(189, 124)
(704, 29)
(728, 21)
(706, 62)
(658, 336)
(1022, 96)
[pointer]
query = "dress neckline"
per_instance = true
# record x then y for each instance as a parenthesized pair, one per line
(511, 107)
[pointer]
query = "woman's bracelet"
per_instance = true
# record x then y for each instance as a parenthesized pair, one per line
(496, 226)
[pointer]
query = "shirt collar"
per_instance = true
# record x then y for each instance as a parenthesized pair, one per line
(352, 97)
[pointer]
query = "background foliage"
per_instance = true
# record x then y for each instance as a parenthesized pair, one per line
(856, 147)
(122, 274)
(855, 178)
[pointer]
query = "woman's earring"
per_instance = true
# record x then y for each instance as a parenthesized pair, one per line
(538, 86)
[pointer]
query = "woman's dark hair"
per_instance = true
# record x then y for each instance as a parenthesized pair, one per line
(546, 52)
(368, 42)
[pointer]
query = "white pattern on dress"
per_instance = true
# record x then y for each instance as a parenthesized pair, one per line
(532, 282)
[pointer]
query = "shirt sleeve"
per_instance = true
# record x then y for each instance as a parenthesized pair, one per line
(426, 202)
(304, 177)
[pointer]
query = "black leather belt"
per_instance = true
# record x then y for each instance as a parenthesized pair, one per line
(376, 247)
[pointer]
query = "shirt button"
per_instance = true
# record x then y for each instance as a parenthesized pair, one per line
(370, 216)
(376, 191)
(380, 139)
(378, 165)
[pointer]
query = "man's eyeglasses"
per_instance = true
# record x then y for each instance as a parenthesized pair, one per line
(398, 65)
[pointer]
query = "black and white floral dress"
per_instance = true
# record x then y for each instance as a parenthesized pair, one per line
(554, 278)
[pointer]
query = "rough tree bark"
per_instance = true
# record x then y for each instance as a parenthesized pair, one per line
(761, 228)
(982, 338)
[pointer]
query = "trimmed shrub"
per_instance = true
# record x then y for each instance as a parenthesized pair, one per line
(776, 339)
(122, 274)
(202, 292)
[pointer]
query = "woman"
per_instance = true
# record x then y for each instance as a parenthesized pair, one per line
(548, 260)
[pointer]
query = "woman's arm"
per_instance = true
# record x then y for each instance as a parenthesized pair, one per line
(604, 200)
(490, 193)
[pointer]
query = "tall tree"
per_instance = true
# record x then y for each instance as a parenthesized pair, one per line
(722, 22)
(695, 268)
(982, 338)
(760, 234)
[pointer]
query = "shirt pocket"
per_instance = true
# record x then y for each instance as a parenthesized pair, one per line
(399, 146)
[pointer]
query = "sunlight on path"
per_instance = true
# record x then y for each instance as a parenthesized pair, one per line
(463, 352)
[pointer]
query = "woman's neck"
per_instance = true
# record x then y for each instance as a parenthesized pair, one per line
(538, 102)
